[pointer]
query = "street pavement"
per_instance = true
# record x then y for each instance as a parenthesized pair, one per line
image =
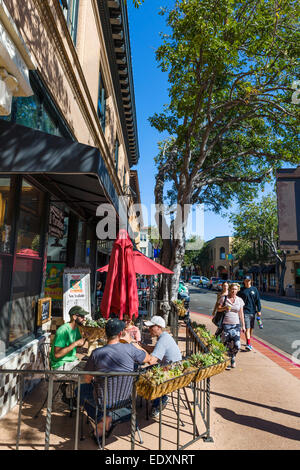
(281, 319)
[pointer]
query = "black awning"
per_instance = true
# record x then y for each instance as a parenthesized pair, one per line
(254, 269)
(270, 268)
(75, 173)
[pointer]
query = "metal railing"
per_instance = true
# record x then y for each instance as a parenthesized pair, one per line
(200, 399)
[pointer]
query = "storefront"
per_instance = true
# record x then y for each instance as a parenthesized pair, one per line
(50, 188)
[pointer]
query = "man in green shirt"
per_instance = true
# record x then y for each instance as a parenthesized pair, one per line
(66, 340)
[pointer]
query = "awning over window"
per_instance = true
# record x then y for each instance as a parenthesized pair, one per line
(74, 173)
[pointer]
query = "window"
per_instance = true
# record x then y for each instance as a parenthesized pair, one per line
(7, 192)
(28, 264)
(38, 111)
(101, 110)
(117, 145)
(222, 253)
(124, 180)
(70, 9)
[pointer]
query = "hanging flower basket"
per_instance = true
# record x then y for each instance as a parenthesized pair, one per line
(92, 333)
(210, 371)
(149, 389)
(181, 310)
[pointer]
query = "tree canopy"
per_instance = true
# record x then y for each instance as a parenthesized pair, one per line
(231, 67)
(256, 234)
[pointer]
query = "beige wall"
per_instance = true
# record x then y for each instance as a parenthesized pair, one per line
(214, 249)
(72, 75)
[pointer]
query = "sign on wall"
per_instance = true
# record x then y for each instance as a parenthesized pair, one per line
(56, 222)
(76, 287)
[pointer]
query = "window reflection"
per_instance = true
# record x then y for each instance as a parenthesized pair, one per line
(28, 264)
(30, 220)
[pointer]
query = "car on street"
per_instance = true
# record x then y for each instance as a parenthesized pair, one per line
(203, 281)
(241, 283)
(194, 280)
(212, 280)
(216, 283)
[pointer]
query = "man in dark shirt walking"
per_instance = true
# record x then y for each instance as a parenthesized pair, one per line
(251, 298)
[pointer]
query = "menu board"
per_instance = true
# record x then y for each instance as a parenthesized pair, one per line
(76, 287)
(44, 310)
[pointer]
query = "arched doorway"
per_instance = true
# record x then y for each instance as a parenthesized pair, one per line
(222, 272)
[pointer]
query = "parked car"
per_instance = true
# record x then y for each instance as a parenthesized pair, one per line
(215, 284)
(194, 280)
(221, 282)
(241, 283)
(203, 281)
(212, 280)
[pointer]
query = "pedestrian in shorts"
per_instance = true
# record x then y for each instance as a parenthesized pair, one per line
(252, 307)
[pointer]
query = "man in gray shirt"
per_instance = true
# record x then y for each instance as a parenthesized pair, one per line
(165, 351)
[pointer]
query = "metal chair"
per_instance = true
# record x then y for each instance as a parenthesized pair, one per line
(116, 392)
(44, 352)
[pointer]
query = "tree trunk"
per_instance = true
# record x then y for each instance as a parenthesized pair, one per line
(282, 275)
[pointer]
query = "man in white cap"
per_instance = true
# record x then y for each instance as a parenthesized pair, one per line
(165, 351)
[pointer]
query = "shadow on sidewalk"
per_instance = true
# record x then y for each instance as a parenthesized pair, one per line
(272, 408)
(258, 423)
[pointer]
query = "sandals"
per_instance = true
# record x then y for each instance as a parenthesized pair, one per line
(107, 435)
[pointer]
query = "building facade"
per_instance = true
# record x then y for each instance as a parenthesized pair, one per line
(146, 246)
(68, 140)
(221, 263)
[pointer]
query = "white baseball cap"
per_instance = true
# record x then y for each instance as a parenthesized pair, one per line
(156, 320)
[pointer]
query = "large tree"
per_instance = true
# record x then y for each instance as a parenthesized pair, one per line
(256, 231)
(231, 67)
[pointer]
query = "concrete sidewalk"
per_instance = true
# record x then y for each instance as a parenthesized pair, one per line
(255, 406)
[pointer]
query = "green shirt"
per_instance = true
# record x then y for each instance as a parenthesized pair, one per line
(64, 336)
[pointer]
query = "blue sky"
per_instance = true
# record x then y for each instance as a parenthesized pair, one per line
(151, 93)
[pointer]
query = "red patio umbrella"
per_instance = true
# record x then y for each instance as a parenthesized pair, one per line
(120, 294)
(143, 265)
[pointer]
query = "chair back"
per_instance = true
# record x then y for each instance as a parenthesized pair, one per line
(44, 352)
(119, 391)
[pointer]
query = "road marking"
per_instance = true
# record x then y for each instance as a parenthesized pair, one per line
(281, 311)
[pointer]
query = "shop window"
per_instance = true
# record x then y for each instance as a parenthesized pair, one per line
(7, 191)
(70, 9)
(101, 110)
(28, 263)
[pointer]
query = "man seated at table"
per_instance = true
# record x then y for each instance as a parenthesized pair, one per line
(114, 357)
(64, 347)
(165, 351)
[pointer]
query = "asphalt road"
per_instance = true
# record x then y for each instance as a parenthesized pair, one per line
(281, 318)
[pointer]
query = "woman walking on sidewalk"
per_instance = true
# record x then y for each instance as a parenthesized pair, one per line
(233, 321)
